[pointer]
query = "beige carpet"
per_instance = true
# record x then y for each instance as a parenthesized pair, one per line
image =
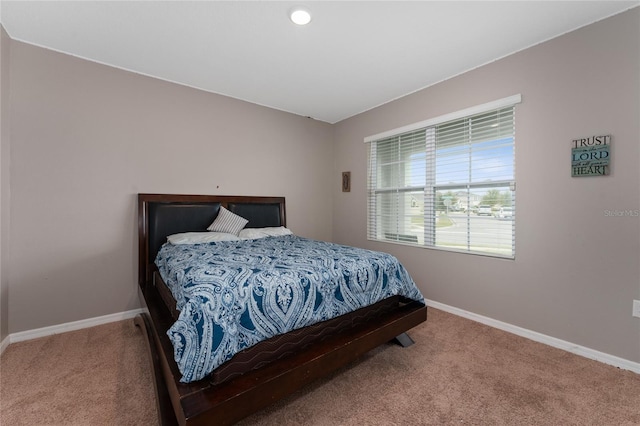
(95, 376)
(458, 372)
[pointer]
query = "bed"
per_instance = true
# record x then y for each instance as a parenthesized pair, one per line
(263, 372)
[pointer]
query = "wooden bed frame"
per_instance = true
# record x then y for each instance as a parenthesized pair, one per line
(206, 403)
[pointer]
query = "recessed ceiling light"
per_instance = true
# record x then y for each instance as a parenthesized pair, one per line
(300, 16)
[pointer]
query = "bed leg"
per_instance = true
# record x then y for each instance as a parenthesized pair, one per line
(166, 416)
(403, 340)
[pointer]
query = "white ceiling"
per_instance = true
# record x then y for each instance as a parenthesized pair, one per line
(353, 56)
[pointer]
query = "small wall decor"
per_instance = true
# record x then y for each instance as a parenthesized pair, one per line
(346, 181)
(590, 156)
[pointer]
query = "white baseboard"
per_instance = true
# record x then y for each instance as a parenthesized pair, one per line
(4, 344)
(523, 332)
(69, 326)
(615, 361)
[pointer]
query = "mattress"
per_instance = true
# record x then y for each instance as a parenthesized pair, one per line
(231, 295)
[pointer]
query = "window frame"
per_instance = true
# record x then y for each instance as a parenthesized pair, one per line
(431, 186)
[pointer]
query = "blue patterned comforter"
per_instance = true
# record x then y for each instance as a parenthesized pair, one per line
(234, 294)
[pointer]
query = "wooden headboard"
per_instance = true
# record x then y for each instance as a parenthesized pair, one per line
(161, 215)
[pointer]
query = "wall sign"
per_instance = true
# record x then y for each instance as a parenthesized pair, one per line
(590, 156)
(346, 181)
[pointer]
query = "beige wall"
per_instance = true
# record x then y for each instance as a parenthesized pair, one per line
(86, 138)
(576, 270)
(5, 48)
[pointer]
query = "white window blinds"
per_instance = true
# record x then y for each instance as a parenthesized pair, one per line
(447, 185)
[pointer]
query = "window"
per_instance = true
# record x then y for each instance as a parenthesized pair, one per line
(447, 183)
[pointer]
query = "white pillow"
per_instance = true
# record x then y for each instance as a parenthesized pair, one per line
(228, 222)
(200, 237)
(255, 233)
